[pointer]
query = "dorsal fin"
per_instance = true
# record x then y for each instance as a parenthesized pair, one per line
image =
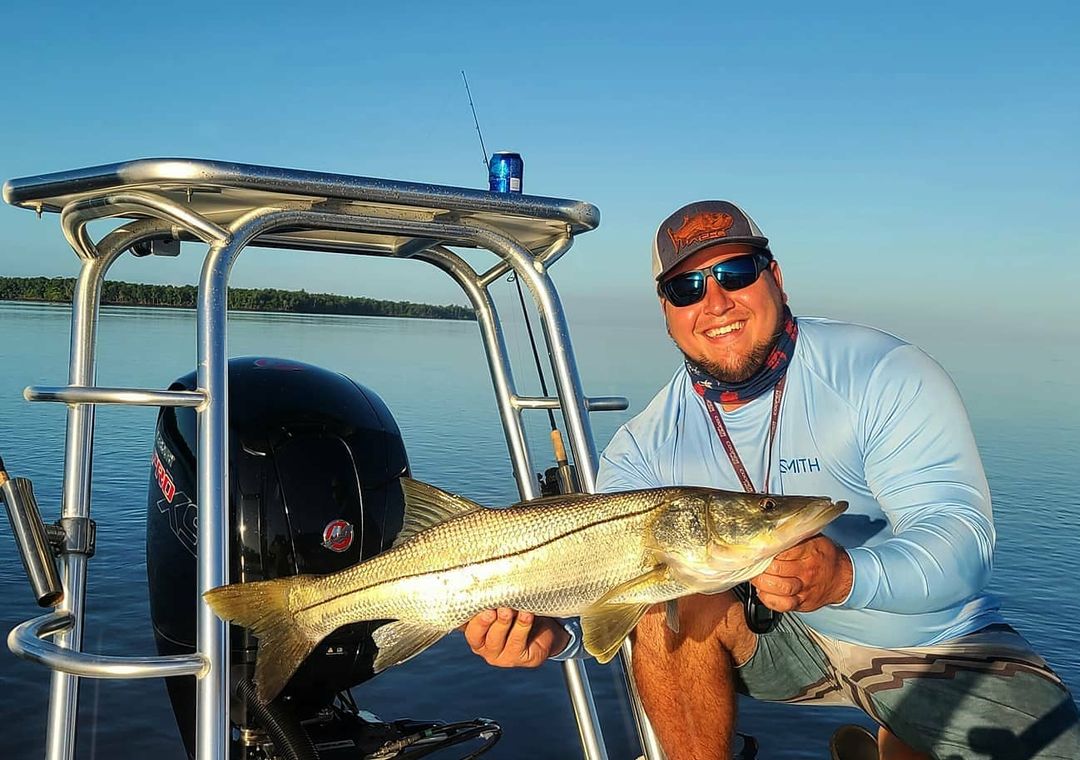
(426, 505)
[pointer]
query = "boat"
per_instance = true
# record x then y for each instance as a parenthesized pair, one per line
(229, 207)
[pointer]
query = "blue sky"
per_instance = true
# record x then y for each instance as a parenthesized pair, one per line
(911, 164)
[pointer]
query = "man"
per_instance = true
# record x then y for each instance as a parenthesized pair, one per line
(886, 611)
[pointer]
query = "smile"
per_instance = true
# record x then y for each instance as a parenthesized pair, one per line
(716, 332)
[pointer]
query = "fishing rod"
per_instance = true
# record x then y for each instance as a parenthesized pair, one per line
(566, 480)
(483, 150)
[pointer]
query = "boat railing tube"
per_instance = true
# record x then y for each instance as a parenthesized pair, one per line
(31, 538)
(27, 640)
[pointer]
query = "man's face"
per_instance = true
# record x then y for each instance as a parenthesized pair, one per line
(728, 333)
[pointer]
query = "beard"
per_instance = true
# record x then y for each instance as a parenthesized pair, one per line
(736, 368)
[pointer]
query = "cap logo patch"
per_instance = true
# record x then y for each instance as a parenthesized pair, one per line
(700, 227)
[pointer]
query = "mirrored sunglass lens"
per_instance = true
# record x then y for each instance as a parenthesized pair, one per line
(734, 274)
(685, 289)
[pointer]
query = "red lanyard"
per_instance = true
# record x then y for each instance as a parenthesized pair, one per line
(729, 445)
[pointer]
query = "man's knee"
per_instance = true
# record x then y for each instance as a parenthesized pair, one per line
(713, 620)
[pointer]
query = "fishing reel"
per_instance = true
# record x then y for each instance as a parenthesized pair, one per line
(557, 480)
(562, 478)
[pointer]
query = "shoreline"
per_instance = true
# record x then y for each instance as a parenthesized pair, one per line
(59, 290)
(165, 307)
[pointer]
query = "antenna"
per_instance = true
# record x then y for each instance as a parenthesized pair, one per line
(475, 121)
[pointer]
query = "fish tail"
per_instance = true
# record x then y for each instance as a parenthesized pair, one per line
(263, 606)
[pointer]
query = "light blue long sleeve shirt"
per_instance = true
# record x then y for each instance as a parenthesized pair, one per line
(866, 418)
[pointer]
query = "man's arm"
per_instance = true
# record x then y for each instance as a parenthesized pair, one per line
(923, 467)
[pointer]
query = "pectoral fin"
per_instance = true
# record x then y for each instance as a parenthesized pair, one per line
(615, 614)
(657, 585)
(401, 640)
(604, 627)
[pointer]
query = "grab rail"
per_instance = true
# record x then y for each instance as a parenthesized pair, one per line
(80, 394)
(27, 640)
(593, 403)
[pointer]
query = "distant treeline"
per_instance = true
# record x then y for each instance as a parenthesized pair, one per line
(60, 290)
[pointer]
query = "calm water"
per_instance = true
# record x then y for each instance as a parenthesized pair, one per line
(433, 377)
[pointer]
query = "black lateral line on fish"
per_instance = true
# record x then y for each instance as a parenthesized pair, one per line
(495, 558)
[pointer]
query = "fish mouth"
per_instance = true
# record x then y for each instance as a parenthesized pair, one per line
(811, 519)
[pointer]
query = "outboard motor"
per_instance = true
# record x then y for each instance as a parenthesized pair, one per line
(314, 465)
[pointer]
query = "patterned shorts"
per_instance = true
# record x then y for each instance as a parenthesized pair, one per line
(983, 695)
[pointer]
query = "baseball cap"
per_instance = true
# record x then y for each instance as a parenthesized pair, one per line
(699, 225)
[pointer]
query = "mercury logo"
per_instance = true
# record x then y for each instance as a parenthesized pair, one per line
(164, 479)
(337, 536)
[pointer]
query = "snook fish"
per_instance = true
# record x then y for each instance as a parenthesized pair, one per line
(604, 557)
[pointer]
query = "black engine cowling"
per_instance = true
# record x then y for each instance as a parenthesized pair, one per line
(314, 463)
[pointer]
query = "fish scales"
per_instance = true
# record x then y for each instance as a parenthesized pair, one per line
(490, 558)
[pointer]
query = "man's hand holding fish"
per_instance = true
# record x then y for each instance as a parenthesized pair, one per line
(806, 577)
(509, 638)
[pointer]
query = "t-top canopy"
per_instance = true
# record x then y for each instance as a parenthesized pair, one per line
(224, 191)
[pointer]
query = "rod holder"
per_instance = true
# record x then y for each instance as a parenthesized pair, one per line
(33, 542)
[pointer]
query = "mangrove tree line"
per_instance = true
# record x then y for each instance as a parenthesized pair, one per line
(60, 289)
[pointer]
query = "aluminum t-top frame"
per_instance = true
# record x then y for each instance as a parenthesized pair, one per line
(229, 207)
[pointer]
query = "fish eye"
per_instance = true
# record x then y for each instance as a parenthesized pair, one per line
(768, 505)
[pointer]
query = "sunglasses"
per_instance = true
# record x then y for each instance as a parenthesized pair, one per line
(735, 273)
